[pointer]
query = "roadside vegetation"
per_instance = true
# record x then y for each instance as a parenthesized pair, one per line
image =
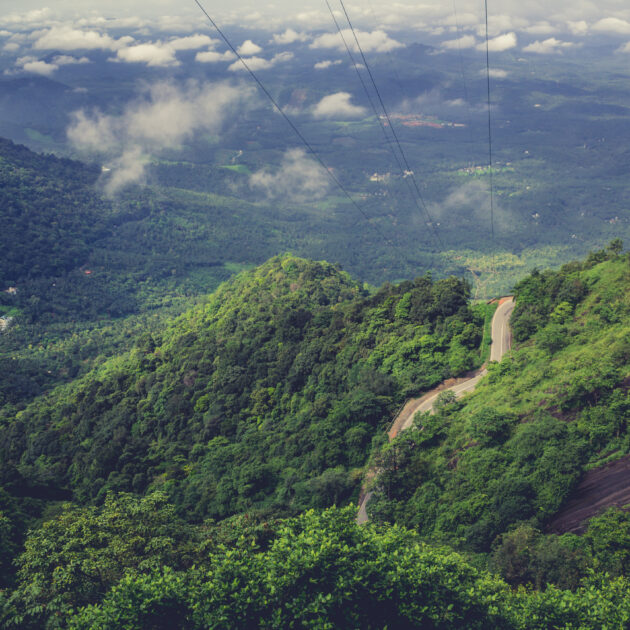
(488, 474)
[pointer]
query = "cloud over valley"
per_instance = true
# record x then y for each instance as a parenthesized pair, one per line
(165, 115)
(299, 178)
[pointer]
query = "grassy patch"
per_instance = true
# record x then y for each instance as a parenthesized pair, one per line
(237, 168)
(37, 136)
(488, 311)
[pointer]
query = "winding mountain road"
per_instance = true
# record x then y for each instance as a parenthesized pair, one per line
(501, 343)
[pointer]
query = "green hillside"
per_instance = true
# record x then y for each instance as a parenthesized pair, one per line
(511, 454)
(267, 395)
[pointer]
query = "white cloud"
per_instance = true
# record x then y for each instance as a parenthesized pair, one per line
(548, 46)
(192, 42)
(69, 38)
(578, 28)
(337, 105)
(153, 54)
(29, 18)
(174, 23)
(432, 103)
(500, 43)
(126, 169)
(374, 41)
(34, 65)
(39, 67)
(460, 20)
(298, 179)
(259, 63)
(164, 116)
(495, 73)
(465, 41)
(248, 48)
(253, 63)
(289, 37)
(321, 65)
(612, 25)
(11, 47)
(541, 28)
(163, 54)
(469, 204)
(625, 48)
(66, 60)
(211, 56)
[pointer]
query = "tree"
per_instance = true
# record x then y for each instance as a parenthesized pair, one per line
(322, 571)
(73, 559)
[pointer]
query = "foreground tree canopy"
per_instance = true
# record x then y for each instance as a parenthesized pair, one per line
(131, 564)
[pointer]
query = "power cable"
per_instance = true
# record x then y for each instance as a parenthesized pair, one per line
(291, 124)
(491, 183)
(464, 84)
(394, 134)
(378, 116)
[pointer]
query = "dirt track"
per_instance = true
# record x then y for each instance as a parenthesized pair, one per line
(599, 489)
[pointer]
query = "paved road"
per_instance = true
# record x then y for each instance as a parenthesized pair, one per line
(501, 334)
(501, 343)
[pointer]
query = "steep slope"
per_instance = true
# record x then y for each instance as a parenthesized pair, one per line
(513, 451)
(266, 396)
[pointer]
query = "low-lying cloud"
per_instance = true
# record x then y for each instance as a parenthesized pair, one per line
(322, 65)
(288, 37)
(470, 204)
(259, 63)
(212, 56)
(500, 43)
(152, 54)
(466, 41)
(248, 48)
(612, 25)
(299, 179)
(164, 116)
(370, 41)
(35, 66)
(433, 103)
(163, 53)
(548, 46)
(495, 73)
(68, 38)
(338, 105)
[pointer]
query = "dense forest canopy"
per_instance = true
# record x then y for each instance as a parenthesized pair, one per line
(266, 396)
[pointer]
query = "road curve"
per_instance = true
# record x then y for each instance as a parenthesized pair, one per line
(501, 343)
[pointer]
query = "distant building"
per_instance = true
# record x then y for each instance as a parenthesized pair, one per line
(377, 177)
(11, 290)
(4, 323)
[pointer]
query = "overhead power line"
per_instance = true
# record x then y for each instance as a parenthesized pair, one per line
(291, 124)
(377, 114)
(491, 183)
(464, 85)
(393, 130)
(388, 140)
